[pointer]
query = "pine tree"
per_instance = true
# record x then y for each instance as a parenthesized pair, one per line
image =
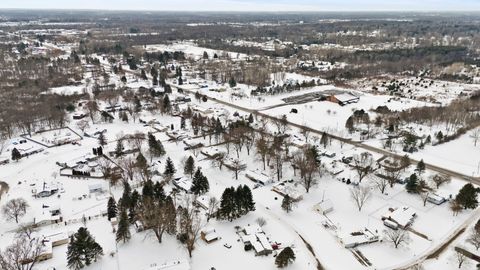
(16, 154)
(82, 250)
(147, 190)
(350, 125)
(285, 257)
(247, 200)
(420, 167)
(412, 184)
(182, 122)
(101, 139)
(126, 196)
(132, 209)
(227, 204)
(200, 183)
(232, 83)
(467, 197)
(158, 192)
(189, 166)
(287, 203)
(119, 148)
(156, 147)
(123, 231)
(141, 162)
(250, 118)
(112, 210)
(169, 168)
(167, 106)
(324, 140)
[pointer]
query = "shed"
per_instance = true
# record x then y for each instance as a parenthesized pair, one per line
(324, 207)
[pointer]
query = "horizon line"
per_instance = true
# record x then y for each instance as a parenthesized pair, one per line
(243, 11)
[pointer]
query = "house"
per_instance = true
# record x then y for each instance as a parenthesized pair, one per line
(324, 207)
(343, 99)
(182, 183)
(258, 177)
(359, 238)
(289, 188)
(46, 190)
(58, 239)
(435, 198)
(202, 201)
(209, 235)
(403, 216)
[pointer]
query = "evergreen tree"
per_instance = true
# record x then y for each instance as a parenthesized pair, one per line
(141, 162)
(167, 106)
(156, 147)
(250, 118)
(285, 257)
(123, 231)
(420, 167)
(440, 136)
(111, 208)
(16, 154)
(126, 196)
(119, 148)
(246, 202)
(467, 197)
(189, 166)
(287, 203)
(82, 250)
(350, 125)
(324, 140)
(101, 139)
(132, 209)
(412, 184)
(232, 82)
(158, 192)
(200, 183)
(169, 168)
(205, 55)
(147, 190)
(227, 205)
(182, 122)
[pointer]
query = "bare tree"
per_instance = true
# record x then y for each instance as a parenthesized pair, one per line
(262, 147)
(105, 167)
(92, 109)
(440, 179)
(190, 227)
(475, 135)
(15, 208)
(261, 221)
(460, 258)
(213, 204)
(455, 207)
(23, 254)
(397, 237)
(360, 195)
(364, 164)
(158, 215)
(237, 166)
(380, 182)
(474, 239)
(128, 168)
(83, 125)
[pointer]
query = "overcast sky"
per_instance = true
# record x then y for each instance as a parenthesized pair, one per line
(250, 5)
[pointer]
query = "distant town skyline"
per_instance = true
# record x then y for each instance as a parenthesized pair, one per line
(248, 5)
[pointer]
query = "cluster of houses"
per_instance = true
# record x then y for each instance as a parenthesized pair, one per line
(253, 237)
